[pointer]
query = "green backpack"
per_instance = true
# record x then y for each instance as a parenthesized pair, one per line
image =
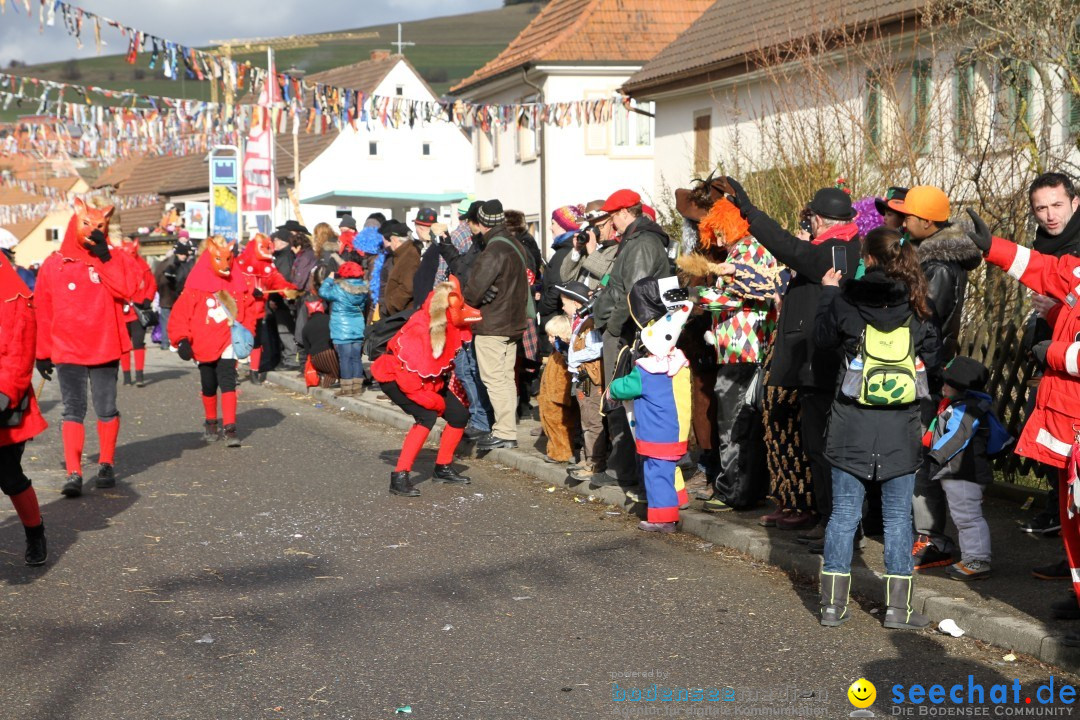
(888, 372)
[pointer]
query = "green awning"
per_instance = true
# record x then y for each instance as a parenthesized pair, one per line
(362, 198)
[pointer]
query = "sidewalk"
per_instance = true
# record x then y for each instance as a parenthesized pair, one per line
(1010, 610)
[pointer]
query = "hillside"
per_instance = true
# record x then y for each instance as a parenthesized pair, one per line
(447, 49)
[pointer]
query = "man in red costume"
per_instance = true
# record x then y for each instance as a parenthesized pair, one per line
(20, 418)
(417, 373)
(214, 298)
(81, 333)
(256, 265)
(144, 299)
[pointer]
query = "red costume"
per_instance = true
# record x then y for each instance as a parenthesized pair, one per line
(201, 327)
(417, 373)
(79, 298)
(144, 298)
(20, 418)
(256, 265)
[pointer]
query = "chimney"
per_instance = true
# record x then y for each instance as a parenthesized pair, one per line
(380, 54)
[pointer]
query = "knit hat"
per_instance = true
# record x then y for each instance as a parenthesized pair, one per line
(964, 373)
(473, 213)
(464, 205)
(491, 214)
(569, 217)
(351, 270)
(347, 221)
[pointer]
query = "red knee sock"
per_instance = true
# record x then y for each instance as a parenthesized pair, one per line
(140, 359)
(255, 359)
(125, 362)
(414, 440)
(26, 505)
(451, 436)
(74, 435)
(209, 403)
(108, 431)
(228, 407)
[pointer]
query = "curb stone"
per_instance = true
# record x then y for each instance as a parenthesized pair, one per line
(1023, 635)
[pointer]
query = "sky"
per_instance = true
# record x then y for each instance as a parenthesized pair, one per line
(197, 22)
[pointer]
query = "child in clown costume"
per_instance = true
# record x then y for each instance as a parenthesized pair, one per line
(214, 297)
(659, 386)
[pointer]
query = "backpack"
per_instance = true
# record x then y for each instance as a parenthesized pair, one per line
(888, 376)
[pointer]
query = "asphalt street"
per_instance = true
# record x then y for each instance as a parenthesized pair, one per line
(281, 580)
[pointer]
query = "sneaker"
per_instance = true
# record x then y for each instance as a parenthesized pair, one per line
(1054, 571)
(969, 570)
(106, 476)
(928, 556)
(715, 504)
(666, 528)
(1042, 524)
(1066, 608)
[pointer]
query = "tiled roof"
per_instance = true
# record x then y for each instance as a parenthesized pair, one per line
(117, 173)
(364, 76)
(149, 216)
(592, 31)
(731, 31)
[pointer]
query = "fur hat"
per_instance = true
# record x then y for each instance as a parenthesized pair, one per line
(723, 224)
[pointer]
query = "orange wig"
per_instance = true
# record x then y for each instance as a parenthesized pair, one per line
(723, 224)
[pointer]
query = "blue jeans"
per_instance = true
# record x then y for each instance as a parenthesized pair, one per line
(352, 366)
(163, 314)
(480, 412)
(848, 492)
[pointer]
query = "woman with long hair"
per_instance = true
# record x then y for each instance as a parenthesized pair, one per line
(883, 323)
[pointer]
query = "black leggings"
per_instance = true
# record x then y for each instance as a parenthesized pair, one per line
(12, 478)
(138, 335)
(218, 375)
(456, 414)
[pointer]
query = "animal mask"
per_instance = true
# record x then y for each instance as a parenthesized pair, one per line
(659, 336)
(220, 256)
(88, 219)
(458, 313)
(264, 247)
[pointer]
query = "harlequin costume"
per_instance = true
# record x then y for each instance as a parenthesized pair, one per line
(417, 373)
(200, 325)
(144, 299)
(20, 418)
(81, 332)
(256, 265)
(659, 386)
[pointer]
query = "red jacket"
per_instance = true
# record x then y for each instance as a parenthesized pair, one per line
(17, 330)
(146, 291)
(1048, 434)
(260, 273)
(79, 302)
(199, 317)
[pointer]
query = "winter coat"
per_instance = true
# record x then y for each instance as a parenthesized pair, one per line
(502, 265)
(958, 448)
(797, 361)
(283, 261)
(303, 264)
(147, 289)
(947, 257)
(873, 443)
(18, 328)
(79, 304)
(316, 335)
(170, 275)
(397, 295)
(1048, 434)
(201, 314)
(1039, 328)
(550, 302)
(426, 271)
(590, 269)
(348, 306)
(641, 253)
(262, 275)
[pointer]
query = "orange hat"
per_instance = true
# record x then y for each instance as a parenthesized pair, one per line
(924, 201)
(621, 199)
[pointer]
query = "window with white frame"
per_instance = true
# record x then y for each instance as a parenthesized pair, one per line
(632, 129)
(527, 139)
(487, 148)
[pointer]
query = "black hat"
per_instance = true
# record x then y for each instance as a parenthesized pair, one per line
(491, 214)
(646, 303)
(426, 216)
(473, 214)
(893, 193)
(964, 373)
(394, 228)
(832, 203)
(347, 221)
(282, 235)
(294, 226)
(575, 290)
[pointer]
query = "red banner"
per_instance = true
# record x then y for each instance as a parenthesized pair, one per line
(259, 185)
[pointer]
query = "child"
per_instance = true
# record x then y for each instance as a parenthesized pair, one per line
(960, 439)
(556, 410)
(348, 296)
(585, 364)
(659, 385)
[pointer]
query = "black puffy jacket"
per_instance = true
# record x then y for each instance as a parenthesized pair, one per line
(873, 443)
(947, 257)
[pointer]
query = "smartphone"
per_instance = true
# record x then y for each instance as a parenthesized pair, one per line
(839, 258)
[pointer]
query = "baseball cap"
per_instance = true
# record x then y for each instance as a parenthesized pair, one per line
(621, 199)
(425, 216)
(894, 193)
(924, 201)
(464, 205)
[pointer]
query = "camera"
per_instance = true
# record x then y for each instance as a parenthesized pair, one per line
(583, 236)
(586, 309)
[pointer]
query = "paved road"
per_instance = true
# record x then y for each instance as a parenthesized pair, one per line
(281, 580)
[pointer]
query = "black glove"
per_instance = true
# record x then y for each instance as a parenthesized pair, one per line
(147, 305)
(1039, 352)
(489, 295)
(100, 248)
(45, 368)
(447, 251)
(183, 349)
(981, 237)
(742, 200)
(258, 294)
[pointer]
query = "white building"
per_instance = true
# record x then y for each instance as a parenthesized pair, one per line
(572, 50)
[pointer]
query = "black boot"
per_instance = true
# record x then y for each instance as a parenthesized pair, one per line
(210, 431)
(36, 552)
(73, 487)
(400, 485)
(899, 614)
(448, 476)
(257, 377)
(106, 476)
(139, 380)
(127, 377)
(231, 438)
(834, 598)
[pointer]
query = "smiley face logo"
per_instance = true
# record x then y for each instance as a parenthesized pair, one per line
(862, 693)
